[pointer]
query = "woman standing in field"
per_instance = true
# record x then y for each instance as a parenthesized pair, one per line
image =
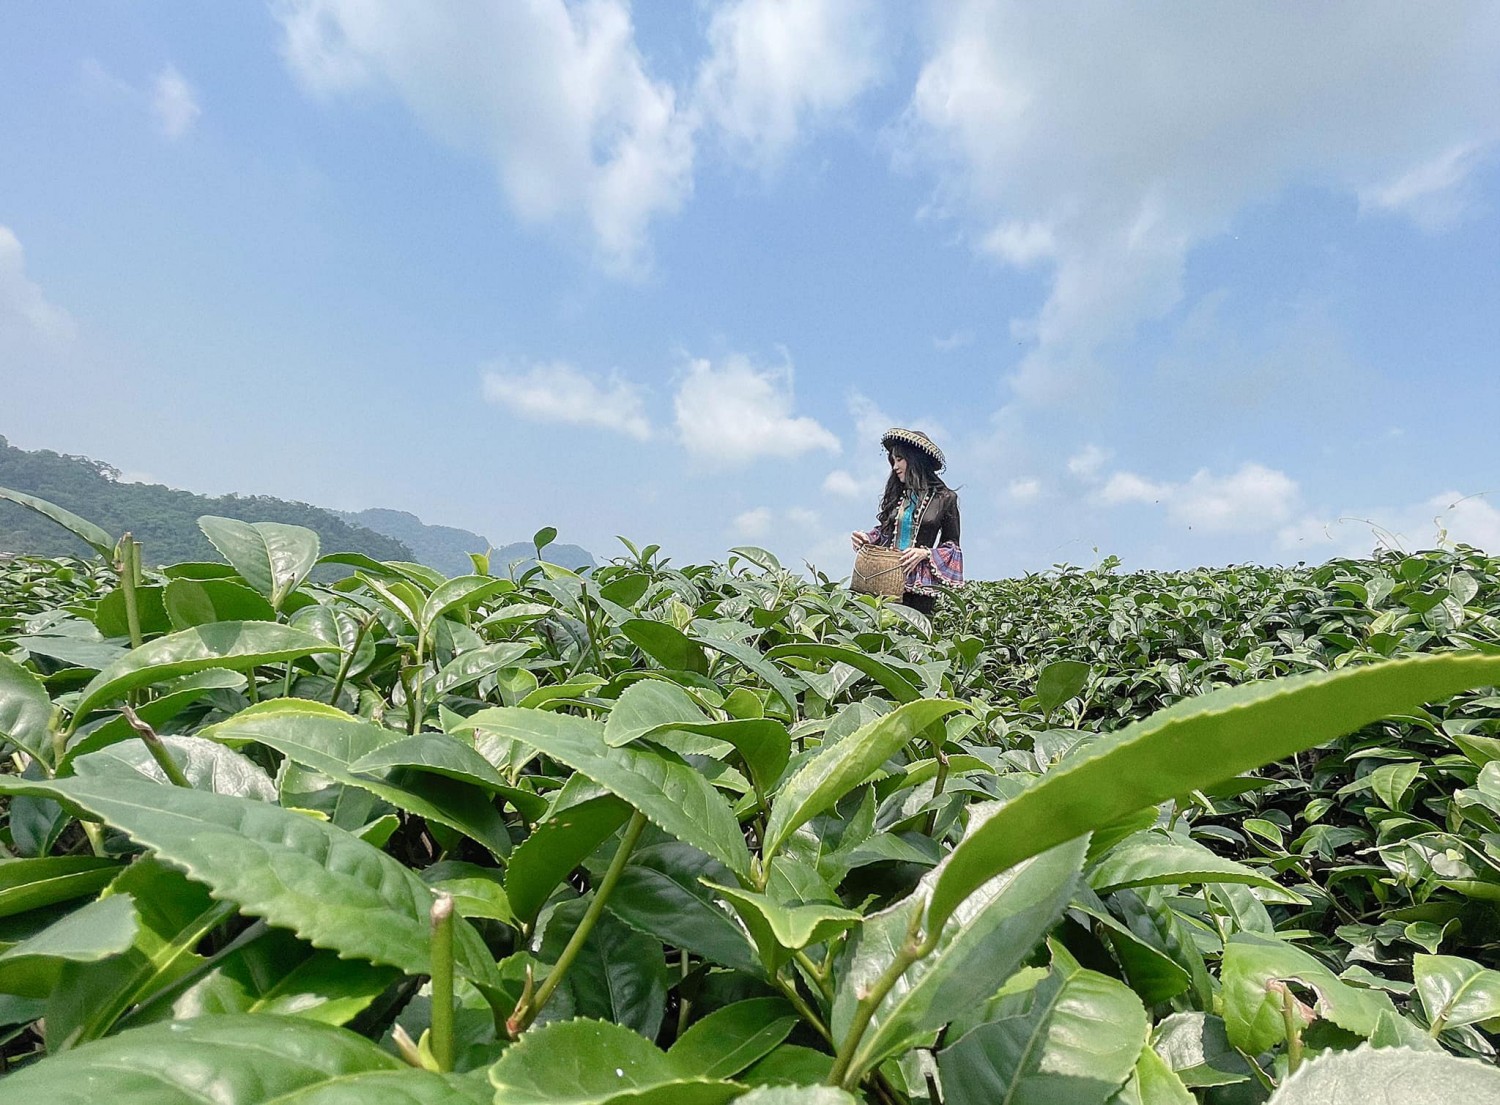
(918, 517)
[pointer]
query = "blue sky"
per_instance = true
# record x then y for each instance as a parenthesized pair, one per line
(1186, 284)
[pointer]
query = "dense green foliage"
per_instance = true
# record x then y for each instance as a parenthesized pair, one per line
(163, 519)
(711, 834)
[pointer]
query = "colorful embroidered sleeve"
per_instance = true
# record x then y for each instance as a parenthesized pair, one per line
(944, 567)
(880, 535)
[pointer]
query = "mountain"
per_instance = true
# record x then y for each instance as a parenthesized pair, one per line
(447, 548)
(163, 519)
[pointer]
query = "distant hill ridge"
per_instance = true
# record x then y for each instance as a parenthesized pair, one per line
(447, 548)
(165, 519)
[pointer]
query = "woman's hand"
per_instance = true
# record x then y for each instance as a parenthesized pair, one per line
(859, 539)
(913, 556)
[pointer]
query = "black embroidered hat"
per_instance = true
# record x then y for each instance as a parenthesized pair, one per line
(917, 439)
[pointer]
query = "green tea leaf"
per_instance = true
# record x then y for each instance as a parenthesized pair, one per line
(1456, 991)
(1074, 1037)
(1060, 681)
(90, 534)
(103, 928)
(990, 936)
(244, 1060)
(1401, 1074)
(331, 888)
(896, 683)
(729, 1039)
(585, 1062)
(1253, 1009)
(667, 645)
(27, 884)
(836, 769)
(559, 844)
(234, 645)
(1192, 744)
(1151, 859)
(25, 711)
(191, 602)
(668, 792)
(272, 557)
(662, 891)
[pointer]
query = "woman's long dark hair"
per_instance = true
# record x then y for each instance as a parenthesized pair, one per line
(921, 474)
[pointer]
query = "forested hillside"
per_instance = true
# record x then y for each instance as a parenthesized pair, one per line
(163, 519)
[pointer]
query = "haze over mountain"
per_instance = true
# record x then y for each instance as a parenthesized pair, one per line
(447, 548)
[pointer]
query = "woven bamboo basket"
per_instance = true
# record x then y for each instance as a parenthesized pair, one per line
(878, 571)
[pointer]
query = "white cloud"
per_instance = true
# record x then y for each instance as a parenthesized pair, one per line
(839, 482)
(776, 66)
(558, 392)
(1024, 489)
(1127, 487)
(556, 95)
(752, 524)
(27, 318)
(1446, 519)
(736, 413)
(1087, 462)
(803, 518)
(1433, 194)
(1251, 499)
(174, 103)
(1173, 125)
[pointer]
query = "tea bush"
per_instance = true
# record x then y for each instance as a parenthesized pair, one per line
(716, 833)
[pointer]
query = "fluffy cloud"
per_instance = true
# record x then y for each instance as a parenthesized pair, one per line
(736, 413)
(775, 65)
(1086, 463)
(558, 392)
(174, 103)
(1175, 124)
(752, 524)
(1024, 489)
(27, 319)
(1449, 518)
(1253, 498)
(556, 95)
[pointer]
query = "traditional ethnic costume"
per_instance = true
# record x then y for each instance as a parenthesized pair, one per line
(928, 519)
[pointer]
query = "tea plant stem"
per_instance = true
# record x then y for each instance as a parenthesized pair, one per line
(1293, 1029)
(804, 1010)
(937, 787)
(526, 1011)
(414, 698)
(347, 659)
(846, 1072)
(157, 749)
(130, 561)
(442, 982)
(819, 975)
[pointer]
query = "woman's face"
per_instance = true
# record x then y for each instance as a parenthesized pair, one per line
(898, 465)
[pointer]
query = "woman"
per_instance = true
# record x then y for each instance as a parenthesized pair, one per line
(919, 517)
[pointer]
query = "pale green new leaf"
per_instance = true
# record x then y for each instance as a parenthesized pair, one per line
(457, 592)
(1194, 743)
(234, 645)
(273, 557)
